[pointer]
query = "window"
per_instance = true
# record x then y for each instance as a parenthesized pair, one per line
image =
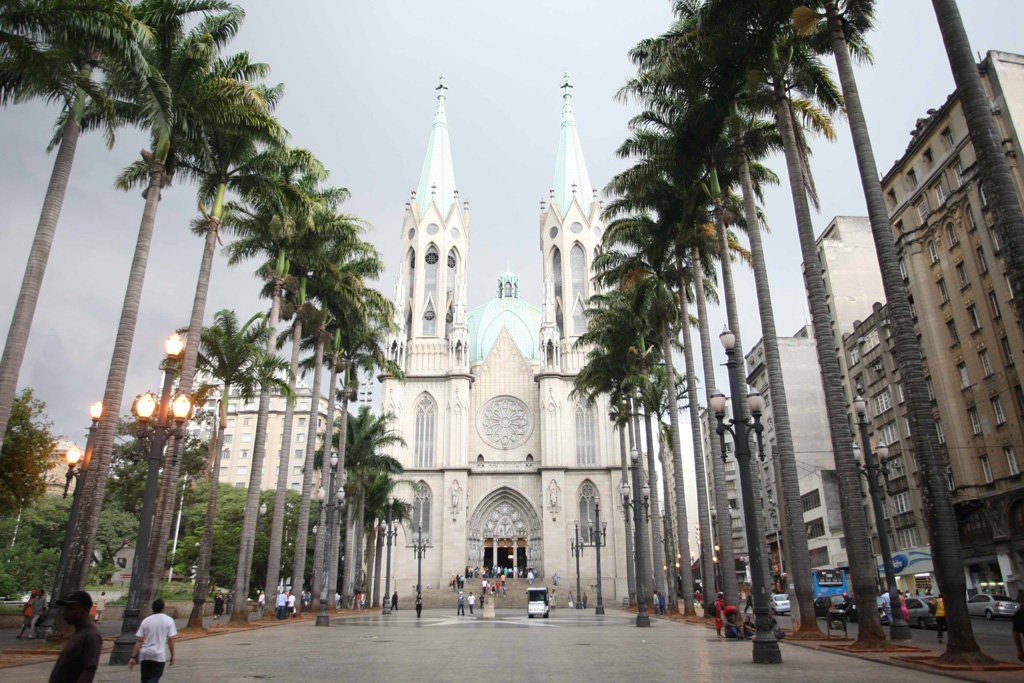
(996, 246)
(943, 292)
(986, 362)
(959, 169)
(854, 355)
(819, 557)
(300, 453)
(811, 500)
(243, 454)
(930, 388)
(965, 379)
(975, 420)
(421, 511)
(993, 303)
(961, 273)
(903, 270)
(227, 438)
(981, 194)
(982, 261)
(940, 193)
(887, 434)
(986, 468)
(954, 337)
(302, 422)
(912, 178)
(225, 454)
(922, 210)
(883, 402)
(816, 528)
(296, 469)
(928, 155)
(901, 502)
(895, 466)
(951, 236)
(997, 408)
(300, 438)
(588, 512)
(1007, 351)
(908, 537)
(1011, 459)
(426, 417)
(939, 433)
(231, 422)
(578, 267)
(972, 312)
(947, 136)
(244, 469)
(586, 451)
(892, 198)
(933, 252)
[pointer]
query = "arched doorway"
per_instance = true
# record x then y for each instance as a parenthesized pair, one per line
(505, 531)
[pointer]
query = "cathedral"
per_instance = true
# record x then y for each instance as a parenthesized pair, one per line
(503, 460)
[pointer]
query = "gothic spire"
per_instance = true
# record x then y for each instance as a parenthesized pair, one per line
(437, 179)
(572, 181)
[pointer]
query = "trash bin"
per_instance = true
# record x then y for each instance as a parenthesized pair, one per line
(837, 619)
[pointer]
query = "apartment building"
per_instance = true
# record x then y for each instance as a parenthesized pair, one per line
(819, 486)
(970, 334)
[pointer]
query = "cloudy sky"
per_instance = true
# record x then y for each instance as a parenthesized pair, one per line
(360, 81)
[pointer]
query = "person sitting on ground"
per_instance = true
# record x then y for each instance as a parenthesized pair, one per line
(733, 627)
(749, 627)
(777, 629)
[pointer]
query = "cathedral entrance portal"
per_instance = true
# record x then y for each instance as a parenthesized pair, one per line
(505, 531)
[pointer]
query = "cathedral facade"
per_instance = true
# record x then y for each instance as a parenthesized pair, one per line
(503, 461)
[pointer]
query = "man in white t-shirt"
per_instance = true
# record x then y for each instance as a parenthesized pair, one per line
(156, 635)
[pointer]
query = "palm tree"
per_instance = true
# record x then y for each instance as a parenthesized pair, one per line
(235, 359)
(842, 29)
(54, 50)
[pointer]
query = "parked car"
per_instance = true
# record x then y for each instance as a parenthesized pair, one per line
(991, 606)
(918, 612)
(824, 603)
(851, 611)
(780, 603)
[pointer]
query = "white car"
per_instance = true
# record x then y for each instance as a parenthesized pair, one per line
(780, 603)
(991, 606)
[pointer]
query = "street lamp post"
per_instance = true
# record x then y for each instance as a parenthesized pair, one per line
(898, 627)
(389, 535)
(716, 579)
(322, 619)
(419, 548)
(577, 550)
(598, 533)
(640, 542)
(170, 417)
(766, 647)
(74, 455)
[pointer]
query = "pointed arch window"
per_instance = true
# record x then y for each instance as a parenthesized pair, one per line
(426, 422)
(411, 275)
(453, 267)
(578, 268)
(421, 511)
(586, 448)
(588, 510)
(429, 320)
(430, 273)
(556, 276)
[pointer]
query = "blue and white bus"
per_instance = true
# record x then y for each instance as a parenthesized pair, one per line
(830, 582)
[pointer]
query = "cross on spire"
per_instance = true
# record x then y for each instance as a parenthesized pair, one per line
(441, 87)
(566, 84)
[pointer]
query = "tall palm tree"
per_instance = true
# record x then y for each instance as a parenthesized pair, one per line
(54, 50)
(841, 30)
(234, 357)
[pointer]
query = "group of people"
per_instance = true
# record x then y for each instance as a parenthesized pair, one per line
(463, 602)
(733, 625)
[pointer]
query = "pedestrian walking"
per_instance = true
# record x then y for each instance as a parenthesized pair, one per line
(472, 601)
(261, 604)
(78, 660)
(282, 605)
(291, 604)
(154, 638)
(719, 613)
(584, 599)
(101, 606)
(750, 601)
(39, 607)
(394, 601)
(218, 607)
(462, 605)
(419, 605)
(26, 612)
(554, 578)
(938, 608)
(661, 603)
(529, 577)
(571, 603)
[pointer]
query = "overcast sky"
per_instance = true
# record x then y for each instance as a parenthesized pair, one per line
(359, 81)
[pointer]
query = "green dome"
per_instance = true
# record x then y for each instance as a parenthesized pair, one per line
(508, 311)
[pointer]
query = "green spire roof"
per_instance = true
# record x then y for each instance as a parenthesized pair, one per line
(437, 180)
(570, 166)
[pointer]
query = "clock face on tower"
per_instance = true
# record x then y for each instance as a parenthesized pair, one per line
(505, 422)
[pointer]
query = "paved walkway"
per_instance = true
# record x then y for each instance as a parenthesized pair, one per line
(442, 647)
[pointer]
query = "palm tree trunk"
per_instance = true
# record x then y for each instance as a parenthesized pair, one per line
(243, 571)
(723, 518)
(202, 584)
(624, 466)
(657, 533)
(855, 530)
(172, 466)
(944, 531)
(378, 542)
(302, 529)
(96, 483)
(369, 539)
(794, 532)
(347, 577)
(992, 158)
(318, 555)
(277, 523)
(35, 269)
(700, 474)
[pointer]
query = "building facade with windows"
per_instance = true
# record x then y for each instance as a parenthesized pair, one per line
(502, 459)
(970, 335)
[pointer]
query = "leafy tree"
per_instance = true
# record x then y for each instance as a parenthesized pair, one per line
(26, 456)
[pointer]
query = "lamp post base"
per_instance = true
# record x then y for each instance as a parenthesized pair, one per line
(322, 618)
(899, 630)
(599, 609)
(123, 647)
(767, 651)
(386, 609)
(643, 620)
